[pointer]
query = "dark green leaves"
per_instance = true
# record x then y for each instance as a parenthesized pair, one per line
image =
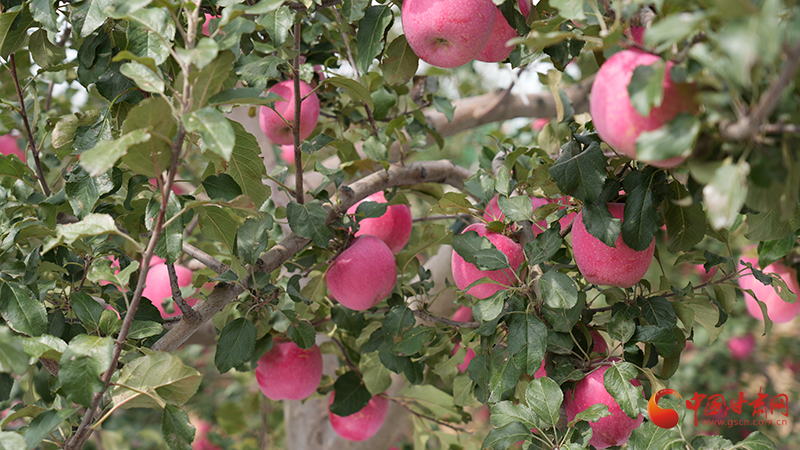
(87, 309)
(527, 337)
(308, 221)
(370, 36)
(236, 344)
(82, 364)
(616, 380)
(506, 436)
(478, 250)
(21, 311)
(641, 217)
(558, 290)
(214, 128)
(543, 247)
(580, 173)
(83, 190)
(400, 62)
(600, 223)
(252, 238)
(351, 396)
(302, 334)
(517, 208)
(178, 430)
(544, 398)
(222, 187)
(685, 220)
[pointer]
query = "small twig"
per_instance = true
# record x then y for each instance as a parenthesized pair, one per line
(566, 230)
(208, 260)
(344, 353)
(442, 217)
(298, 102)
(596, 310)
(748, 125)
(453, 323)
(777, 128)
(191, 314)
(31, 141)
(431, 419)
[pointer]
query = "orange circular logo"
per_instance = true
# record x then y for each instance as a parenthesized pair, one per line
(662, 417)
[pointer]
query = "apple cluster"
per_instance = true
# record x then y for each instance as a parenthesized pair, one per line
(451, 33)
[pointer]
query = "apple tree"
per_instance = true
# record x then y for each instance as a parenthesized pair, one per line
(213, 206)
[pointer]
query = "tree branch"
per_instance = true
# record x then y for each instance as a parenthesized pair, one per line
(299, 192)
(419, 172)
(424, 315)
(31, 141)
(187, 310)
(749, 125)
(208, 260)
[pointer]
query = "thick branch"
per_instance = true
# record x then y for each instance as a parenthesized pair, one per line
(419, 172)
(749, 125)
(187, 310)
(208, 260)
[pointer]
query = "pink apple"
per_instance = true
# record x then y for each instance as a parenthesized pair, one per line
(448, 33)
(272, 121)
(538, 124)
(287, 153)
(9, 146)
(157, 286)
(362, 275)
(741, 346)
(778, 310)
(636, 34)
(496, 49)
(465, 273)
(288, 372)
(614, 117)
(608, 266)
(207, 23)
(362, 425)
(393, 227)
(599, 344)
(201, 441)
(524, 7)
(463, 314)
(493, 212)
(467, 359)
(610, 430)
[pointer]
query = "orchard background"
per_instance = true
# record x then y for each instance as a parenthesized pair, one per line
(143, 165)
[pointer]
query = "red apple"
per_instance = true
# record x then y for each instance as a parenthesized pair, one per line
(9, 146)
(465, 273)
(609, 266)
(393, 227)
(610, 430)
(741, 346)
(448, 33)
(524, 7)
(157, 286)
(206, 23)
(287, 153)
(362, 425)
(599, 344)
(272, 121)
(778, 310)
(636, 34)
(538, 124)
(288, 372)
(464, 314)
(362, 275)
(614, 117)
(493, 212)
(496, 49)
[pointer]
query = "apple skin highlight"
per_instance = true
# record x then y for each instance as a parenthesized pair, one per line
(362, 425)
(609, 266)
(362, 275)
(617, 122)
(465, 273)
(288, 372)
(448, 33)
(275, 128)
(393, 227)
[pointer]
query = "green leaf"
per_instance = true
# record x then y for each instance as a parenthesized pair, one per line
(621, 328)
(87, 309)
(221, 187)
(308, 221)
(236, 344)
(217, 224)
(377, 378)
(170, 243)
(277, 24)
(430, 401)
(45, 13)
(201, 55)
(21, 310)
(214, 128)
(370, 35)
(478, 250)
(141, 329)
(685, 223)
(768, 225)
(558, 290)
(543, 247)
(148, 29)
(10, 440)
(302, 333)
(563, 320)
(145, 79)
(527, 335)
(354, 89)
(658, 311)
(82, 365)
(400, 63)
(662, 338)
(14, 31)
(44, 52)
(517, 208)
(544, 397)
(158, 379)
(316, 144)
(645, 89)
(83, 190)
(44, 424)
(707, 315)
(724, 196)
(506, 436)
(641, 217)
(648, 436)
(105, 154)
(774, 250)
(600, 223)
(593, 413)
(13, 359)
(756, 441)
(616, 380)
(246, 166)
(151, 157)
(506, 412)
(504, 374)
(351, 396)
(252, 239)
(675, 138)
(91, 225)
(210, 80)
(569, 9)
(490, 308)
(580, 174)
(443, 105)
(177, 428)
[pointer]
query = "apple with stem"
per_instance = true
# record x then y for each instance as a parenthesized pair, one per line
(611, 430)
(393, 227)
(609, 266)
(448, 33)
(617, 121)
(288, 372)
(778, 310)
(277, 123)
(465, 273)
(9, 146)
(363, 424)
(362, 275)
